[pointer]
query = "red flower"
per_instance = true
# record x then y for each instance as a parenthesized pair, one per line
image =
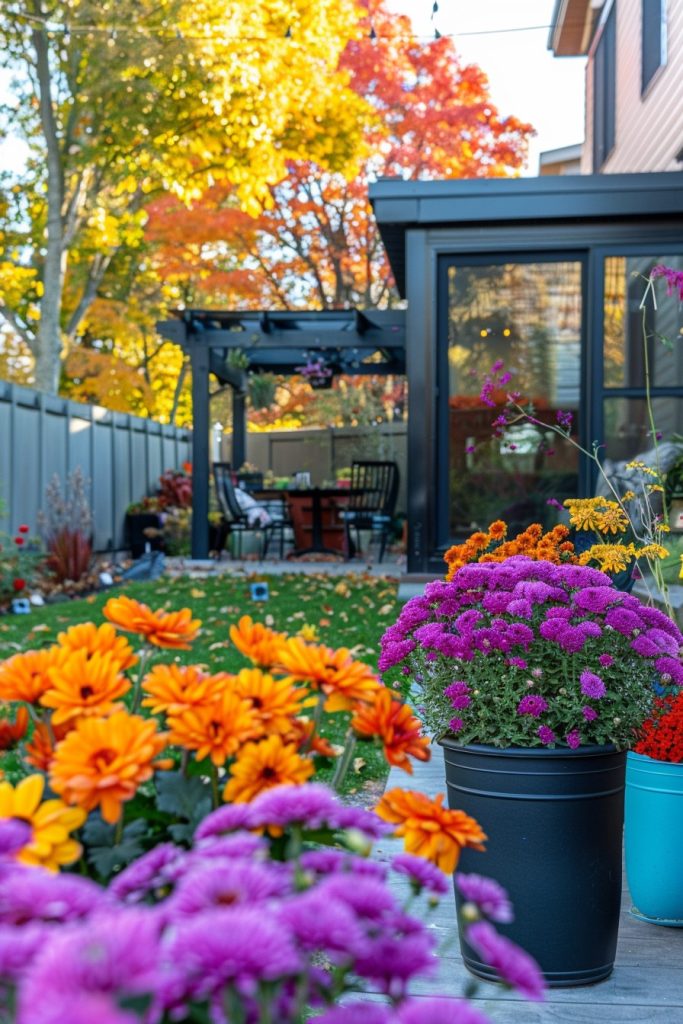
(661, 736)
(19, 541)
(23, 528)
(19, 584)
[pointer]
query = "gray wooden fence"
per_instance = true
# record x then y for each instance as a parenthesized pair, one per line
(121, 456)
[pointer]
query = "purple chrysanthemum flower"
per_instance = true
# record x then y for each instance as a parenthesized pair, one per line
(573, 739)
(439, 1011)
(13, 835)
(597, 599)
(319, 923)
(671, 670)
(229, 818)
(112, 952)
(392, 960)
(226, 883)
(367, 897)
(455, 724)
(421, 873)
(490, 897)
(77, 1008)
(458, 694)
(19, 947)
(145, 874)
(219, 947)
(592, 685)
(329, 862)
(514, 966)
(532, 704)
(606, 660)
(589, 713)
(30, 894)
(517, 663)
(545, 734)
(623, 620)
(238, 844)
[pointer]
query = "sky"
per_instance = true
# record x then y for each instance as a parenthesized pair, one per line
(525, 78)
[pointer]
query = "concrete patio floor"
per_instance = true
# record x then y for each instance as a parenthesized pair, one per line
(646, 986)
(392, 565)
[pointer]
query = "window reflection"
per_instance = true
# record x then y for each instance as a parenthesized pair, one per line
(528, 317)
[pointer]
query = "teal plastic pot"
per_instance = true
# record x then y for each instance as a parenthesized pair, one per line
(653, 839)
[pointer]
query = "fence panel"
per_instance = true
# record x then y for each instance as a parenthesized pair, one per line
(122, 456)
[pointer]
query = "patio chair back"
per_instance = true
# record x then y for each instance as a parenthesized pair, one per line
(376, 484)
(225, 493)
(250, 481)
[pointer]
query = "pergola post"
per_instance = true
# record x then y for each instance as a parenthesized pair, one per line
(239, 428)
(200, 451)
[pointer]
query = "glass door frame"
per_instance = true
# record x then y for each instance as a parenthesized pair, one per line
(589, 395)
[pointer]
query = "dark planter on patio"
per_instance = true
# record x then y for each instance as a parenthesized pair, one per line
(554, 822)
(137, 540)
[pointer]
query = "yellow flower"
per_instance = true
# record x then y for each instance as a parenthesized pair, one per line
(652, 551)
(611, 557)
(628, 496)
(51, 822)
(613, 519)
(260, 766)
(308, 633)
(585, 513)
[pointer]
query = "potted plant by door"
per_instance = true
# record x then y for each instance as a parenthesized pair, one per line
(534, 676)
(653, 826)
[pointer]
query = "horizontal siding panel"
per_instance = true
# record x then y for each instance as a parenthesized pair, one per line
(649, 129)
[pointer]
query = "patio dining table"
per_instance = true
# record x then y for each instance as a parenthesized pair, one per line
(319, 501)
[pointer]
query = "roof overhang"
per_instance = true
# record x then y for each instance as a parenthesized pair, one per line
(401, 206)
(572, 26)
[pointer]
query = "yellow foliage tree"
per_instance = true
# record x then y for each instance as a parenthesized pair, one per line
(120, 101)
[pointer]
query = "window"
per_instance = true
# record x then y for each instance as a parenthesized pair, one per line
(604, 91)
(653, 54)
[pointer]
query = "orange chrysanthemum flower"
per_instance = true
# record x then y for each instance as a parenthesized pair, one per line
(84, 686)
(99, 640)
(397, 727)
(50, 845)
(334, 673)
(216, 731)
(256, 641)
(550, 547)
(103, 761)
(25, 676)
(12, 732)
(172, 688)
(41, 748)
(275, 701)
(176, 630)
(428, 829)
(305, 736)
(260, 766)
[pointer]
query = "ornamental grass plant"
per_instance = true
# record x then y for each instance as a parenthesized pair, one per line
(524, 653)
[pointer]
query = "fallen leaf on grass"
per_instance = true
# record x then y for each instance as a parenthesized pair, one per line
(196, 593)
(386, 609)
(359, 764)
(218, 644)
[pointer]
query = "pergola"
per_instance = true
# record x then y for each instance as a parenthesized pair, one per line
(349, 341)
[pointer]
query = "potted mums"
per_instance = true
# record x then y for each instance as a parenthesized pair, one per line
(534, 677)
(653, 827)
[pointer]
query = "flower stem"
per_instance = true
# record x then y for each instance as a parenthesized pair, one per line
(344, 762)
(214, 786)
(137, 689)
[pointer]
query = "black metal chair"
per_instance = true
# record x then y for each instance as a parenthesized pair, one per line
(249, 481)
(240, 519)
(374, 490)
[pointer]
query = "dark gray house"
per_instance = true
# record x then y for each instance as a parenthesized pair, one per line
(541, 278)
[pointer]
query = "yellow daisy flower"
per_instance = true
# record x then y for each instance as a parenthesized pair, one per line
(51, 822)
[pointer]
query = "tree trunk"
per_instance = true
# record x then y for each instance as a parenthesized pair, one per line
(48, 342)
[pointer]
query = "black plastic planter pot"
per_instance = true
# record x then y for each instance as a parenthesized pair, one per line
(554, 821)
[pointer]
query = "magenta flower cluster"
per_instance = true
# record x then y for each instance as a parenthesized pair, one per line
(254, 922)
(529, 653)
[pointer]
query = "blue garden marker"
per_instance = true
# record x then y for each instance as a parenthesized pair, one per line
(259, 591)
(21, 606)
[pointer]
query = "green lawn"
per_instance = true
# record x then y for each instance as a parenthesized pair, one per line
(350, 611)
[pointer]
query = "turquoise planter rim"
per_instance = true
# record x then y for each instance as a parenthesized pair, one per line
(646, 759)
(663, 922)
